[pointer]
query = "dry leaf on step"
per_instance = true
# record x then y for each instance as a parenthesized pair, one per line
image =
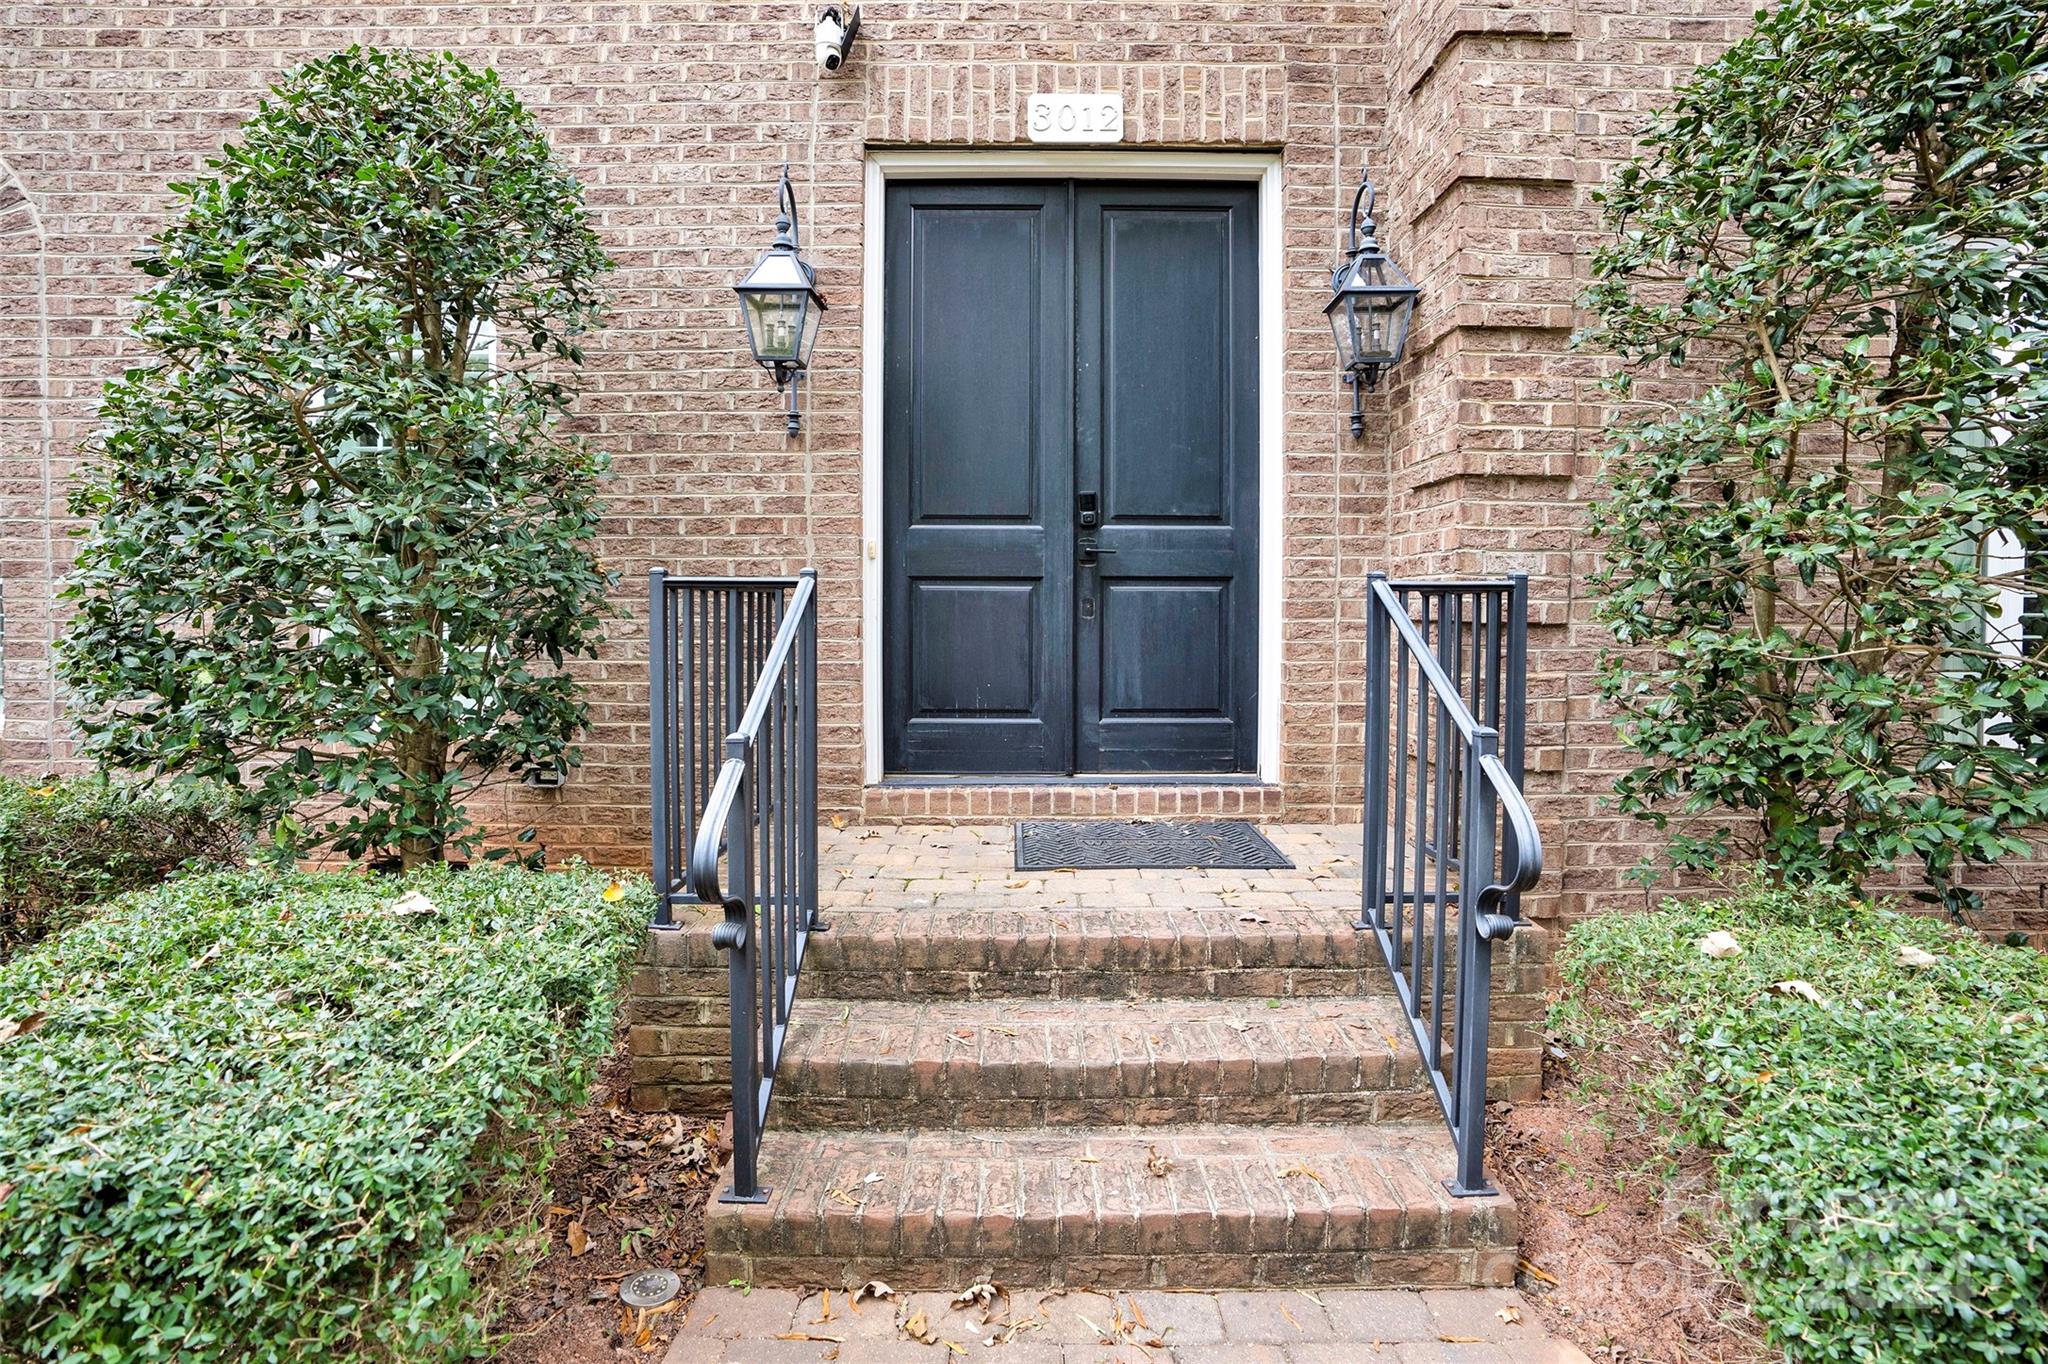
(1799, 988)
(1250, 918)
(1720, 945)
(839, 821)
(1510, 1314)
(1156, 1165)
(985, 1295)
(874, 1288)
(1301, 1172)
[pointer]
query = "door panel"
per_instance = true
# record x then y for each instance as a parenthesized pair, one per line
(1046, 340)
(978, 473)
(1166, 428)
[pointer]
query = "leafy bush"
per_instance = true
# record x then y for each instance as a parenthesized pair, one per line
(1883, 1151)
(83, 839)
(1826, 565)
(242, 1109)
(339, 539)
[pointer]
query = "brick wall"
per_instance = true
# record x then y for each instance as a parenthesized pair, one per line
(1489, 125)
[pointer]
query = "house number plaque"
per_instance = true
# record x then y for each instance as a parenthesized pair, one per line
(1076, 118)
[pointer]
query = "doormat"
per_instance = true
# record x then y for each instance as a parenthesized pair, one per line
(1123, 844)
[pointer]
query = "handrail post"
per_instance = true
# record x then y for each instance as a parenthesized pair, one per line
(1513, 709)
(1475, 974)
(659, 742)
(1372, 907)
(742, 962)
(808, 774)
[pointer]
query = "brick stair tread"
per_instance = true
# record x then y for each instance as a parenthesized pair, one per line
(1236, 1206)
(1025, 1063)
(1065, 952)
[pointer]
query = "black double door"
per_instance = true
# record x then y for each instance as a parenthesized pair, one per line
(1070, 478)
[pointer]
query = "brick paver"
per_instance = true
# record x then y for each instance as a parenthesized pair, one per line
(1469, 1326)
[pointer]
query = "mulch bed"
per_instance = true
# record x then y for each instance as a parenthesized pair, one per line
(1617, 1243)
(625, 1191)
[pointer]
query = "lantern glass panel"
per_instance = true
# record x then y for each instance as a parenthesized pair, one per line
(776, 324)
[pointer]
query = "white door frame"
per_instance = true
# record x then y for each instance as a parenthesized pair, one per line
(969, 164)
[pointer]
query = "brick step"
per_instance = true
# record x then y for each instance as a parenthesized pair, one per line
(1035, 1063)
(1058, 953)
(1230, 1207)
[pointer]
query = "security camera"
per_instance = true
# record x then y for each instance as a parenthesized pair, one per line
(835, 33)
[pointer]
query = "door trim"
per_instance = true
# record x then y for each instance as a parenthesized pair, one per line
(1265, 168)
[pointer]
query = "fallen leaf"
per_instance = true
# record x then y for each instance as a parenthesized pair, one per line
(1593, 1211)
(1250, 918)
(413, 903)
(1302, 1172)
(843, 1198)
(821, 1320)
(986, 1295)
(874, 1288)
(1156, 1165)
(1290, 1316)
(1536, 1271)
(579, 1240)
(23, 1026)
(1797, 987)
(1463, 1340)
(1918, 958)
(1720, 945)
(1510, 1314)
(839, 821)
(806, 1335)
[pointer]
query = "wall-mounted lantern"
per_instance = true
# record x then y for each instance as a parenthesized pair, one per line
(1371, 303)
(780, 301)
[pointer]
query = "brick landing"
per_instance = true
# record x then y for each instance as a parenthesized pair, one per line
(1323, 1326)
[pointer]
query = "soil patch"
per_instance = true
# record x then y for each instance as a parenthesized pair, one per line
(1617, 1239)
(625, 1192)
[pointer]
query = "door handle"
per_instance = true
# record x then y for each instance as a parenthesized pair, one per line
(1089, 553)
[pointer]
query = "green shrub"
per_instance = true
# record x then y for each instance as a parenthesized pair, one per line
(338, 527)
(1833, 239)
(242, 1110)
(84, 839)
(1884, 1152)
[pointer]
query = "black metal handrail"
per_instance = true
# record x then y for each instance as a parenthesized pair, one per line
(1456, 748)
(707, 641)
(753, 843)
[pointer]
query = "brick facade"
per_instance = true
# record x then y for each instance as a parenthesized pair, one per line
(1488, 125)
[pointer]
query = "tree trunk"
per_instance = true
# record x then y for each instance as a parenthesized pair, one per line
(424, 760)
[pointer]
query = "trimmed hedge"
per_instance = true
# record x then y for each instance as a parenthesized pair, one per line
(1884, 1151)
(76, 841)
(241, 1110)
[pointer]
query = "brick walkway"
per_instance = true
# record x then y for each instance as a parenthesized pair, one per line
(1320, 1326)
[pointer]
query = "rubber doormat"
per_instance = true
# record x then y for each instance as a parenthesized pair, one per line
(1057, 844)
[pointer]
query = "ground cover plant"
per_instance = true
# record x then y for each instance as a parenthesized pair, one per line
(243, 1109)
(1823, 525)
(338, 543)
(66, 843)
(1874, 1089)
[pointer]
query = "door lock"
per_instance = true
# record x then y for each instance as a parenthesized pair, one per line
(1090, 553)
(1087, 510)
